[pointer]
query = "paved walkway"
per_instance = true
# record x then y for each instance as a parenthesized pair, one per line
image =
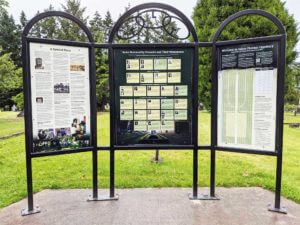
(145, 206)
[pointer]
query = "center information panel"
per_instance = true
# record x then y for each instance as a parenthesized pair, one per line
(153, 96)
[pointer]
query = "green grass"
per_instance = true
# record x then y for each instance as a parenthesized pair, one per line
(134, 169)
(290, 118)
(10, 123)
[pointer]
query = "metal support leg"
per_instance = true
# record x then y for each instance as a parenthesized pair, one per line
(112, 174)
(212, 195)
(276, 207)
(95, 196)
(31, 209)
(156, 158)
(194, 196)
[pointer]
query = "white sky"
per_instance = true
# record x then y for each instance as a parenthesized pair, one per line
(30, 7)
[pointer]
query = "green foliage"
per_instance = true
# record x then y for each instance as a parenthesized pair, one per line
(68, 30)
(161, 35)
(292, 94)
(10, 34)
(107, 25)
(100, 32)
(209, 14)
(23, 20)
(19, 100)
(290, 107)
(10, 79)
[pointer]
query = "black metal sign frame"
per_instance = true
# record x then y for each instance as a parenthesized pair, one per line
(134, 14)
(281, 41)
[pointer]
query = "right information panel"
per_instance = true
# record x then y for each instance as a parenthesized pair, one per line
(247, 83)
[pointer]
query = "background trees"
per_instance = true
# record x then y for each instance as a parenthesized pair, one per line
(208, 15)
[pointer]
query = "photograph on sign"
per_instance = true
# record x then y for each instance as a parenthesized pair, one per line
(247, 88)
(60, 97)
(162, 99)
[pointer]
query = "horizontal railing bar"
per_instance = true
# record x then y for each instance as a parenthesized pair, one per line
(247, 151)
(60, 152)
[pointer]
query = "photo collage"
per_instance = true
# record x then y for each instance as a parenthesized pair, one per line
(153, 96)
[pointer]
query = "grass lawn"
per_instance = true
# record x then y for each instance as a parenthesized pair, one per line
(10, 123)
(134, 169)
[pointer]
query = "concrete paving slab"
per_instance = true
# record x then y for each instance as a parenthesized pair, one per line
(147, 206)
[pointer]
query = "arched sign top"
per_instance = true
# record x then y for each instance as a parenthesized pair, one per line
(152, 7)
(258, 12)
(68, 16)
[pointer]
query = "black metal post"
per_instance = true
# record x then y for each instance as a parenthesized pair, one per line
(214, 125)
(195, 124)
(278, 181)
(31, 209)
(156, 158)
(279, 125)
(195, 173)
(95, 174)
(156, 155)
(213, 134)
(212, 172)
(29, 184)
(28, 124)
(112, 174)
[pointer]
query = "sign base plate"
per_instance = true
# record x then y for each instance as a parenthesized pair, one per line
(272, 208)
(203, 197)
(103, 198)
(26, 212)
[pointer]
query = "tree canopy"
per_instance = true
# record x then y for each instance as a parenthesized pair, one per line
(209, 14)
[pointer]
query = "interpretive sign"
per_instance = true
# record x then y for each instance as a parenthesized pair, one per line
(153, 93)
(60, 96)
(153, 90)
(247, 87)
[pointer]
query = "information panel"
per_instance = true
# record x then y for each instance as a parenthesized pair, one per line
(153, 96)
(60, 96)
(247, 84)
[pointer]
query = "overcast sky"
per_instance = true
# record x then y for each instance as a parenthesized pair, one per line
(30, 7)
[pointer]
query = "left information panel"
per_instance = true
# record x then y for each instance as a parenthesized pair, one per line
(60, 96)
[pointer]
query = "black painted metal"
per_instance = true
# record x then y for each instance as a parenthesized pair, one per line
(27, 99)
(93, 103)
(159, 6)
(213, 147)
(28, 124)
(279, 120)
(247, 12)
(281, 39)
(195, 121)
(114, 32)
(68, 16)
(112, 128)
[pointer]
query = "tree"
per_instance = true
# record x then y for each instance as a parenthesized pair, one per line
(102, 87)
(3, 6)
(163, 35)
(9, 38)
(10, 79)
(36, 29)
(49, 26)
(208, 15)
(107, 25)
(23, 20)
(292, 95)
(148, 34)
(96, 27)
(68, 30)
